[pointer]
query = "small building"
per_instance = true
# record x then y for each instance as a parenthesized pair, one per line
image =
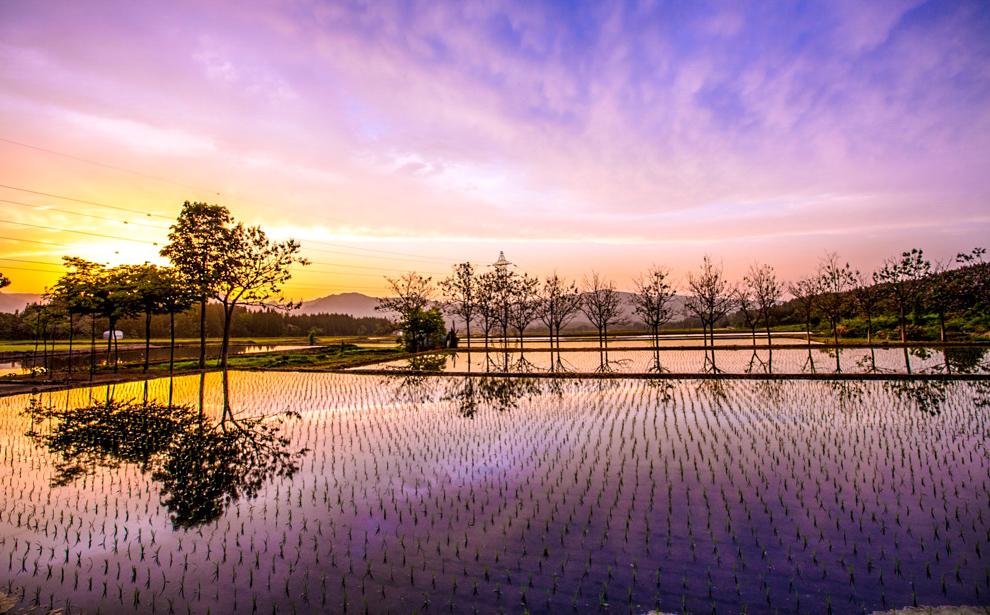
(117, 335)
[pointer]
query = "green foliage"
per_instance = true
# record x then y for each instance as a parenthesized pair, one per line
(423, 330)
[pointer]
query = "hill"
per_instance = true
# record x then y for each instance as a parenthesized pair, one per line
(354, 304)
(15, 302)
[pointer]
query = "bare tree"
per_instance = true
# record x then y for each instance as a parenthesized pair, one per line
(942, 291)
(525, 307)
(805, 292)
(601, 305)
(767, 291)
(652, 301)
(748, 310)
(866, 299)
(835, 280)
(410, 292)
(711, 299)
(559, 302)
(487, 309)
(460, 291)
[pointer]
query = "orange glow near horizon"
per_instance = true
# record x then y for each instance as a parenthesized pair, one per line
(653, 141)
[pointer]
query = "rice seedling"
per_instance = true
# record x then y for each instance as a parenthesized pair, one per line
(382, 494)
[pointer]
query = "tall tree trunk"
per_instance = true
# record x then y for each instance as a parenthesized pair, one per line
(202, 333)
(92, 346)
(110, 340)
(228, 317)
(869, 330)
(147, 340)
(70, 346)
(941, 327)
(171, 344)
(116, 346)
(900, 313)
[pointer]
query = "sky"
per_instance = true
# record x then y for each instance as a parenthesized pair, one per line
(398, 136)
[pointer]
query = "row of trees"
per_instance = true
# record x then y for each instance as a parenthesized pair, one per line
(213, 258)
(501, 301)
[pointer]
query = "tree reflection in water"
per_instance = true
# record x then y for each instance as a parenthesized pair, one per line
(501, 394)
(202, 464)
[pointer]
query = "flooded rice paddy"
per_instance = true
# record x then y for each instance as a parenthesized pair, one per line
(790, 360)
(353, 493)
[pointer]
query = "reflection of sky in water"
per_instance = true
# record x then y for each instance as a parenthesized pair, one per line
(395, 472)
(781, 361)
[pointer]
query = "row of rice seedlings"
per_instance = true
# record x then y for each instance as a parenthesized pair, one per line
(576, 495)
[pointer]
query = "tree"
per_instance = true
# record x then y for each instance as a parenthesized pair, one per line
(487, 309)
(767, 291)
(4, 281)
(423, 330)
(200, 247)
(747, 309)
(152, 288)
(559, 302)
(835, 280)
(525, 307)
(411, 296)
(901, 279)
(652, 301)
(76, 291)
(460, 291)
(942, 289)
(805, 292)
(600, 303)
(711, 298)
(866, 299)
(254, 272)
(179, 297)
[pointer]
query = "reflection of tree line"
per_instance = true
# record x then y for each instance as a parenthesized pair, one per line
(202, 464)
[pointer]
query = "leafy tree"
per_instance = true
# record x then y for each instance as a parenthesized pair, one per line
(423, 330)
(411, 297)
(460, 291)
(201, 245)
(600, 303)
(901, 279)
(652, 301)
(254, 272)
(4, 281)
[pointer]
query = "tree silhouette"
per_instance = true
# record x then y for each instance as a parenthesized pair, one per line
(255, 269)
(460, 291)
(600, 303)
(199, 246)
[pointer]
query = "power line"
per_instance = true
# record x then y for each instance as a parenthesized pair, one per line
(85, 202)
(200, 188)
(106, 165)
(78, 213)
(65, 230)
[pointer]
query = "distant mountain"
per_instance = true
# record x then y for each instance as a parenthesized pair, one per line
(355, 304)
(15, 302)
(359, 305)
(628, 316)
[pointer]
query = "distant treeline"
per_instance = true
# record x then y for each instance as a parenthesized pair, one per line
(248, 323)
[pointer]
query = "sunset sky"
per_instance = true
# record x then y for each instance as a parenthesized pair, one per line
(573, 136)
